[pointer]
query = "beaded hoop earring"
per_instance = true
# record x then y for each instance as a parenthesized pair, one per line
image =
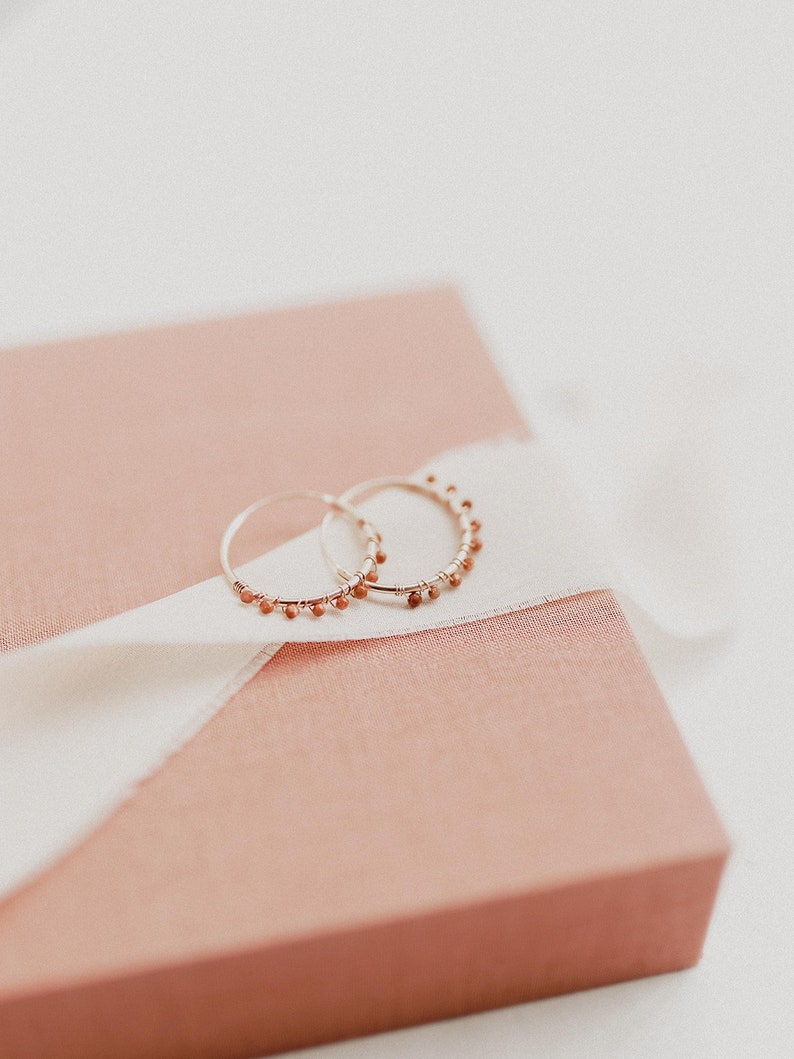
(461, 562)
(354, 584)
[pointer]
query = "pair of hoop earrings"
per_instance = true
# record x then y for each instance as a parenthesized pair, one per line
(366, 577)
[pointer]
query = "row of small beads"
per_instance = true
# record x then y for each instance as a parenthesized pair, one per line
(463, 561)
(356, 587)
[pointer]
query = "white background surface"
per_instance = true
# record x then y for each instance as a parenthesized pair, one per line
(611, 186)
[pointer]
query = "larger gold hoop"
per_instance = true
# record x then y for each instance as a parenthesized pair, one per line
(460, 510)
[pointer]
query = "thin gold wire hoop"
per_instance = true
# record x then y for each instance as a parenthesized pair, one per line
(460, 510)
(355, 584)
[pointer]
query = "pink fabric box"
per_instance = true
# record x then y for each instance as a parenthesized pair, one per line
(367, 835)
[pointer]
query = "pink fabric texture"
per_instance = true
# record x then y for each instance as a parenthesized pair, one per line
(124, 457)
(368, 834)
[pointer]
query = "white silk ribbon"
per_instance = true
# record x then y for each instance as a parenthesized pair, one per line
(85, 717)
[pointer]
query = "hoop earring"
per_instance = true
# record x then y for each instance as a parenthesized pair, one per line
(354, 584)
(452, 573)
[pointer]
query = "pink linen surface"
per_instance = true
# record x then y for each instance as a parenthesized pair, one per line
(366, 835)
(124, 457)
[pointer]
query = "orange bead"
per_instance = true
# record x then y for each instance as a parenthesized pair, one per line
(455, 580)
(430, 478)
(380, 556)
(414, 599)
(476, 525)
(434, 592)
(318, 610)
(468, 563)
(246, 595)
(476, 544)
(291, 610)
(372, 576)
(266, 606)
(451, 488)
(341, 602)
(360, 591)
(465, 504)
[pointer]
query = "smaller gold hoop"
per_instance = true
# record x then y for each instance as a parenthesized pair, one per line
(353, 584)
